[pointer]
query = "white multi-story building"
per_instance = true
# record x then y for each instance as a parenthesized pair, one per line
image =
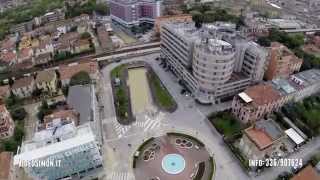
(74, 152)
(213, 62)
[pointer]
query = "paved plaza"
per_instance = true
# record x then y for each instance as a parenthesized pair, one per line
(172, 157)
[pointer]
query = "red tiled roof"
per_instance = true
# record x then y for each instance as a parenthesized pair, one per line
(5, 162)
(64, 115)
(308, 173)
(66, 72)
(8, 44)
(8, 57)
(259, 137)
(22, 82)
(4, 90)
(262, 94)
(25, 53)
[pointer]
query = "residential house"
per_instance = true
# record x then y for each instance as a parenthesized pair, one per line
(8, 44)
(256, 102)
(6, 123)
(9, 57)
(282, 62)
(65, 42)
(6, 165)
(43, 58)
(307, 173)
(264, 139)
(82, 45)
(82, 17)
(67, 71)
(47, 81)
(23, 87)
(25, 54)
(45, 46)
(61, 116)
(25, 42)
(4, 91)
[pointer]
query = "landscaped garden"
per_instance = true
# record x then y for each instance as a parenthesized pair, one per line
(226, 124)
(160, 94)
(121, 97)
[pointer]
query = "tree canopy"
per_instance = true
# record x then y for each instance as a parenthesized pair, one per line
(81, 78)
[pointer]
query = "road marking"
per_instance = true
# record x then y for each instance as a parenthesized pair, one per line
(119, 176)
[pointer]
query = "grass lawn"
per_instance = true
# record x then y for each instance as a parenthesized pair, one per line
(226, 124)
(121, 97)
(116, 72)
(162, 96)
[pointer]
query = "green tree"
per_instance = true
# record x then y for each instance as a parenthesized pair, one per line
(81, 78)
(85, 35)
(197, 17)
(18, 114)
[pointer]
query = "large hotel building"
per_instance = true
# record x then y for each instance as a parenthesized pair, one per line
(213, 62)
(133, 12)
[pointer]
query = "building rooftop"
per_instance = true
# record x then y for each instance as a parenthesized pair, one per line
(68, 116)
(80, 99)
(71, 137)
(67, 71)
(22, 82)
(306, 78)
(286, 23)
(269, 94)
(307, 173)
(8, 57)
(4, 90)
(283, 86)
(5, 162)
(263, 133)
(45, 76)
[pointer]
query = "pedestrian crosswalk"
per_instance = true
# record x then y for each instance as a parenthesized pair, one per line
(145, 122)
(151, 124)
(120, 176)
(120, 129)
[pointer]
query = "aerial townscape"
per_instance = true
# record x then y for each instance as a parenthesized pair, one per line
(160, 89)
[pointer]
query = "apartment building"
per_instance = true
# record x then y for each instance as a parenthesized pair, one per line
(282, 62)
(260, 100)
(75, 147)
(133, 12)
(213, 62)
(6, 123)
(256, 102)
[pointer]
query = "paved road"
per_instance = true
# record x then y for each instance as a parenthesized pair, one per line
(305, 153)
(188, 118)
(121, 141)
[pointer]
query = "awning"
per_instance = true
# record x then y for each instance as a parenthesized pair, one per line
(296, 138)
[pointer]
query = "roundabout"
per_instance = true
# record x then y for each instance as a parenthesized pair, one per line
(173, 156)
